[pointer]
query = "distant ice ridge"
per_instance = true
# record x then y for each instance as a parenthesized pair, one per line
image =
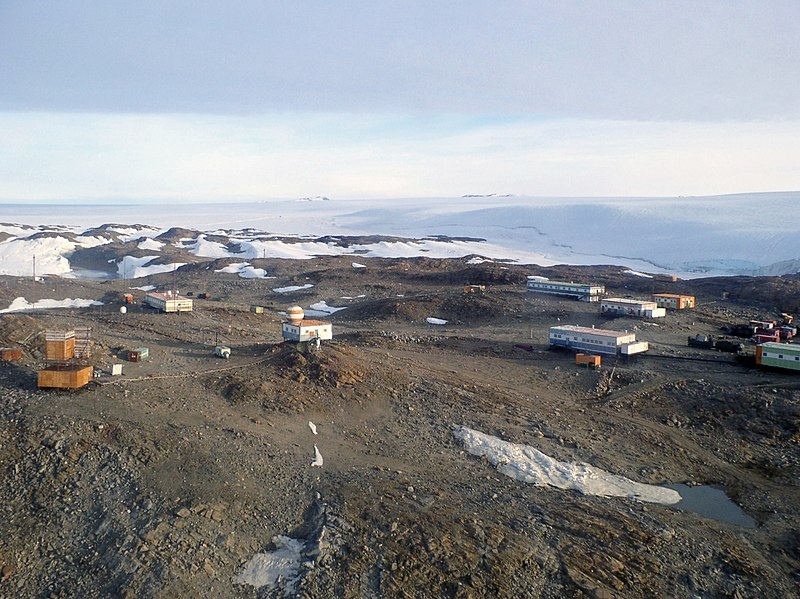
(20, 304)
(743, 234)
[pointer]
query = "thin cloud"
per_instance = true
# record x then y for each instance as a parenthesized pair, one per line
(202, 157)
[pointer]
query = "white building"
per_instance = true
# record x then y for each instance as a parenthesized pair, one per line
(585, 293)
(307, 330)
(596, 341)
(620, 306)
(168, 302)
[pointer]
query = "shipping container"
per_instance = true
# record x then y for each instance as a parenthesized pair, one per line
(588, 360)
(767, 336)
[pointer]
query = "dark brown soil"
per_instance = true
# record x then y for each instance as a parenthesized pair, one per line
(165, 481)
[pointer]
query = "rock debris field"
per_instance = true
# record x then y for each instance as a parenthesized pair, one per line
(340, 472)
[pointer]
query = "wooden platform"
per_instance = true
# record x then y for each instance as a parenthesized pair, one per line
(70, 376)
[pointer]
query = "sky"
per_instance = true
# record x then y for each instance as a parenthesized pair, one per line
(239, 100)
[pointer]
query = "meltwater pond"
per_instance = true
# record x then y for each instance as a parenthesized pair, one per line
(711, 503)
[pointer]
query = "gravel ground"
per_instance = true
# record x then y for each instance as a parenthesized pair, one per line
(166, 481)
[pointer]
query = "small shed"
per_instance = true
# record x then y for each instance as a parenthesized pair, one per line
(257, 309)
(65, 376)
(169, 301)
(139, 354)
(307, 330)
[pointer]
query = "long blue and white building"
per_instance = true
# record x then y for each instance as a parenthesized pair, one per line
(583, 292)
(596, 341)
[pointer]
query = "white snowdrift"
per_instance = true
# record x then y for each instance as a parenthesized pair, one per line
(318, 461)
(245, 271)
(322, 309)
(274, 567)
(20, 304)
(131, 267)
(634, 273)
(202, 248)
(527, 464)
(432, 320)
(291, 288)
(150, 244)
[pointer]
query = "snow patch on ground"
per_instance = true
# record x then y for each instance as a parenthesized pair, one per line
(527, 464)
(359, 265)
(150, 244)
(48, 255)
(431, 320)
(292, 288)
(131, 267)
(202, 248)
(318, 461)
(637, 274)
(21, 304)
(245, 271)
(322, 309)
(275, 568)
